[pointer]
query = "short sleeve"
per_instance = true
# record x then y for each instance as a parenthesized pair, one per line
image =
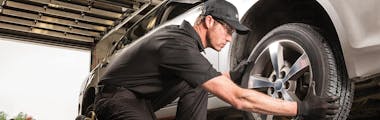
(186, 62)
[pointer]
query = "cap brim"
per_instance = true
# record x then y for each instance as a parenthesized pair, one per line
(238, 27)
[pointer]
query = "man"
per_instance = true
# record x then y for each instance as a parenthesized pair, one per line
(168, 64)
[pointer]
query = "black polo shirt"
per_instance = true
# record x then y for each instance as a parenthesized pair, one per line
(160, 60)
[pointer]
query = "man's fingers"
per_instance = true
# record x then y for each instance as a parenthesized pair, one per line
(330, 117)
(332, 112)
(333, 106)
(332, 99)
(332, 109)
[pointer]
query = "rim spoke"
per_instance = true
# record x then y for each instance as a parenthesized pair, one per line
(276, 56)
(270, 117)
(259, 82)
(297, 68)
(290, 96)
(275, 94)
(292, 86)
(262, 116)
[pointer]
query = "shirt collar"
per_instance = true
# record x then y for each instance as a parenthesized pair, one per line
(190, 30)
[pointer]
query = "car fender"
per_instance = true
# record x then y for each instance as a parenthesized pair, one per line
(358, 33)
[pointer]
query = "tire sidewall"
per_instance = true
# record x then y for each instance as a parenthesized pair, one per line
(309, 40)
(312, 43)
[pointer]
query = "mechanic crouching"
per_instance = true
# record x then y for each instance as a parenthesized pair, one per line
(168, 64)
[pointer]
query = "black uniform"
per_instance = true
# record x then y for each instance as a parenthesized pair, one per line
(154, 71)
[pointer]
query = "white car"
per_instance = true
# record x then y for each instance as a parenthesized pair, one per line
(335, 43)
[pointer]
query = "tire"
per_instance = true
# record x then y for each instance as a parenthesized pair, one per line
(300, 56)
(82, 117)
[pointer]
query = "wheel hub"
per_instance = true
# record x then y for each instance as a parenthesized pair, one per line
(278, 85)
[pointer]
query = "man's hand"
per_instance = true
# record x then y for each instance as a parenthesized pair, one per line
(316, 107)
(237, 73)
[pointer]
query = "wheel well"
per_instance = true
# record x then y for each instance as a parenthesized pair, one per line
(266, 15)
(88, 100)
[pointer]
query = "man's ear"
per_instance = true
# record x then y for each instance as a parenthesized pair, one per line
(209, 21)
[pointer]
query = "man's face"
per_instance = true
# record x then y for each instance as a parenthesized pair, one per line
(218, 35)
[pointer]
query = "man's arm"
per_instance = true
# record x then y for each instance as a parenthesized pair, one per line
(248, 100)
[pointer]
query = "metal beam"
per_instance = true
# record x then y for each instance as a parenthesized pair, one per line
(156, 2)
(53, 20)
(44, 40)
(78, 38)
(72, 21)
(107, 6)
(125, 20)
(48, 26)
(54, 12)
(123, 4)
(136, 18)
(86, 9)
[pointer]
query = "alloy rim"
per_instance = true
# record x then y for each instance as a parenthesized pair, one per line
(282, 70)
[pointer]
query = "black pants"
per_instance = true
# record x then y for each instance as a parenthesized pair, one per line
(123, 104)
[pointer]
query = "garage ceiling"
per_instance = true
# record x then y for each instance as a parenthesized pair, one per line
(70, 22)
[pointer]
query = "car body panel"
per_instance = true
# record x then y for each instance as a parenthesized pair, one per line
(358, 31)
(89, 86)
(357, 24)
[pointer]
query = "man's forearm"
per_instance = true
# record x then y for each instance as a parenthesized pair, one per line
(248, 100)
(261, 103)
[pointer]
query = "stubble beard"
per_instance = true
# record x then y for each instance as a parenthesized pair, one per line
(208, 42)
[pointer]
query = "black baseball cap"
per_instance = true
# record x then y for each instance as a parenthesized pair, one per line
(224, 11)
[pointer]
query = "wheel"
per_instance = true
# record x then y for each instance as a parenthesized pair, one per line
(287, 60)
